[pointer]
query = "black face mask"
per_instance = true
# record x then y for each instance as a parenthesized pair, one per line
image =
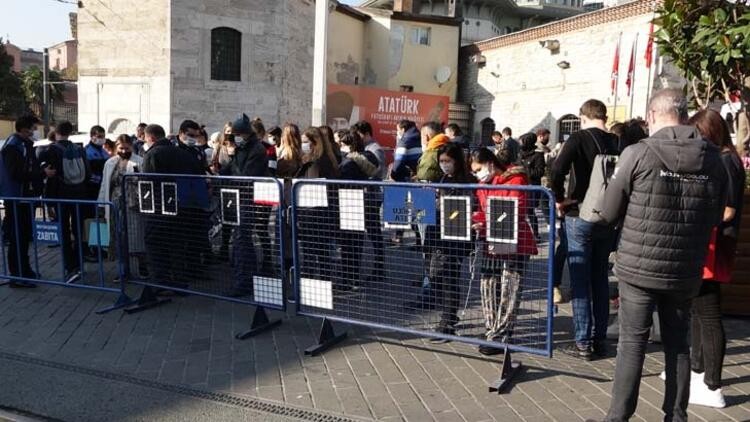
(125, 155)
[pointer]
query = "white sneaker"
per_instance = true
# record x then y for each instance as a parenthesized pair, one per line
(701, 395)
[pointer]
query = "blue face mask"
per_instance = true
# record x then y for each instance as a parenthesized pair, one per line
(239, 140)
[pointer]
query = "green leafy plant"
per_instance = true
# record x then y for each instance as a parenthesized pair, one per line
(709, 40)
(32, 85)
(11, 96)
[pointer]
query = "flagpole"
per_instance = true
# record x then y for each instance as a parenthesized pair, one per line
(617, 79)
(651, 58)
(632, 77)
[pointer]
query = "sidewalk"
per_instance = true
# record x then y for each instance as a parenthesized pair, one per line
(181, 362)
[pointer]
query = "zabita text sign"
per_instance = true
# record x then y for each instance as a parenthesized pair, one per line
(348, 104)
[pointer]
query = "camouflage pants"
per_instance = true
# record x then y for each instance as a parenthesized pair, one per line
(500, 297)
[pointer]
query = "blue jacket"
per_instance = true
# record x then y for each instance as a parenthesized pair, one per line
(19, 173)
(96, 157)
(408, 152)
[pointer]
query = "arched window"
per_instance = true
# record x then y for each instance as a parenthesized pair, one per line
(226, 54)
(567, 125)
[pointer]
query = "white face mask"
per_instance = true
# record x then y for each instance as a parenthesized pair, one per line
(483, 174)
(190, 141)
(146, 147)
(239, 140)
(306, 147)
(447, 168)
(345, 149)
(98, 141)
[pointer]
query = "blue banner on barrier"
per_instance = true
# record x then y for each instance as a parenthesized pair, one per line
(46, 232)
(402, 205)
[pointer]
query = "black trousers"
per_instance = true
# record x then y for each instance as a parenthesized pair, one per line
(637, 305)
(561, 255)
(375, 233)
(445, 271)
(72, 221)
(707, 333)
(18, 232)
(351, 254)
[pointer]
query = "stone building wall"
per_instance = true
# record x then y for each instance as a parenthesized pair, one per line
(124, 64)
(522, 86)
(276, 59)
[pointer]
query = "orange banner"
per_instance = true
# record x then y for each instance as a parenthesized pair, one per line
(348, 104)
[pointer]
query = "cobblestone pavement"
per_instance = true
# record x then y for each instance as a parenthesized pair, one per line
(372, 375)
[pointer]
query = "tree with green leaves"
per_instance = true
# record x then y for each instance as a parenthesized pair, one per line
(11, 96)
(32, 82)
(709, 41)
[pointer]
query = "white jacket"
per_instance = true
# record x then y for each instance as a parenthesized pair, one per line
(109, 170)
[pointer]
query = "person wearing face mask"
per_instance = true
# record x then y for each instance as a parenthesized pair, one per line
(408, 151)
(124, 162)
(428, 169)
(446, 256)
(356, 164)
(19, 177)
(187, 138)
(96, 155)
(204, 147)
(502, 272)
(247, 158)
(165, 240)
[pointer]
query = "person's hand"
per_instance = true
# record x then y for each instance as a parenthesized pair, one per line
(50, 172)
(478, 227)
(562, 206)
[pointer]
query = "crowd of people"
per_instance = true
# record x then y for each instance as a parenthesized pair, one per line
(671, 213)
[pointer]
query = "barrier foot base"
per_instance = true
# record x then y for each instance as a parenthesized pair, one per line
(509, 370)
(327, 339)
(147, 300)
(260, 324)
(123, 301)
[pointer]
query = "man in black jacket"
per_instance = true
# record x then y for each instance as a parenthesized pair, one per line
(248, 159)
(20, 177)
(670, 189)
(589, 245)
(165, 236)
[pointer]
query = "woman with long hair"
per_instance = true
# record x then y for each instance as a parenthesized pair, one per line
(289, 152)
(708, 340)
(503, 265)
(330, 138)
(445, 256)
(225, 143)
(318, 158)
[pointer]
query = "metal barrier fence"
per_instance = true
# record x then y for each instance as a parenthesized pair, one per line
(451, 262)
(62, 242)
(219, 237)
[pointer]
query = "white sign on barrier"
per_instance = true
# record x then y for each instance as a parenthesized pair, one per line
(268, 290)
(311, 196)
(316, 293)
(352, 209)
(266, 193)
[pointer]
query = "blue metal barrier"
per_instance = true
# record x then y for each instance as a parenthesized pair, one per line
(450, 262)
(71, 244)
(218, 237)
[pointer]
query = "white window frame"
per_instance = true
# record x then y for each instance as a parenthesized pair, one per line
(419, 34)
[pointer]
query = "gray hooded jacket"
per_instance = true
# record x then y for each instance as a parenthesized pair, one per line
(671, 191)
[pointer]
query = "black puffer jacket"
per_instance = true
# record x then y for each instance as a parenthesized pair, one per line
(671, 189)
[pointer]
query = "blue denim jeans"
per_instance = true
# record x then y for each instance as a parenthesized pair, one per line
(589, 246)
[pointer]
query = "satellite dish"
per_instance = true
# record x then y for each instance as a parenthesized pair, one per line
(443, 74)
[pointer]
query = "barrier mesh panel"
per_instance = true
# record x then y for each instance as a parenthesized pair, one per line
(60, 242)
(457, 262)
(215, 236)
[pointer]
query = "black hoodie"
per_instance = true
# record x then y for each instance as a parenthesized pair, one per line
(671, 191)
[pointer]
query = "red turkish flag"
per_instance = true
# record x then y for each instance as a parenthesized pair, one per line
(650, 47)
(615, 68)
(631, 69)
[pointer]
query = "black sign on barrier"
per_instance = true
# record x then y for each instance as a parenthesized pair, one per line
(168, 198)
(230, 207)
(146, 197)
(455, 217)
(502, 224)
